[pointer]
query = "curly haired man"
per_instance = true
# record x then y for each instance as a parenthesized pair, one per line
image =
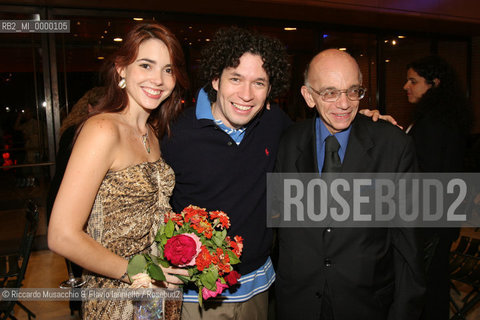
(221, 151)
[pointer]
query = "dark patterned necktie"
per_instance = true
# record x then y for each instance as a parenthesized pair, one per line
(332, 161)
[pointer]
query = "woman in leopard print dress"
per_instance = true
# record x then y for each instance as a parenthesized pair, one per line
(116, 186)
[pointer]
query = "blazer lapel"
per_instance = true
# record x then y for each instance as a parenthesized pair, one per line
(307, 155)
(357, 158)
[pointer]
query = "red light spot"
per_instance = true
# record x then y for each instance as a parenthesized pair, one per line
(267, 152)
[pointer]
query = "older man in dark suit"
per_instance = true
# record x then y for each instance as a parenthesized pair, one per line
(345, 273)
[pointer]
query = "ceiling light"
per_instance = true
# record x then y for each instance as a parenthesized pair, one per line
(100, 58)
(387, 60)
(117, 39)
(342, 49)
(394, 42)
(290, 29)
(138, 19)
(401, 37)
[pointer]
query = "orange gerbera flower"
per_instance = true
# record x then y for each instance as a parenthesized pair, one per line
(204, 259)
(194, 211)
(204, 227)
(237, 245)
(223, 261)
(220, 217)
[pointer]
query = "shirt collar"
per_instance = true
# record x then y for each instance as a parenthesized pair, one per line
(203, 109)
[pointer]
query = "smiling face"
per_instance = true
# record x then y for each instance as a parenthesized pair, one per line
(241, 92)
(149, 78)
(333, 69)
(416, 86)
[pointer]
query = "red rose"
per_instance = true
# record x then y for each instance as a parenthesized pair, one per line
(181, 250)
(232, 278)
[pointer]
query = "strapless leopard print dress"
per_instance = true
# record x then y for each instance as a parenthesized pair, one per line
(125, 217)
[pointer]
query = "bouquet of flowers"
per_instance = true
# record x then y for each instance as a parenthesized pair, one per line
(197, 241)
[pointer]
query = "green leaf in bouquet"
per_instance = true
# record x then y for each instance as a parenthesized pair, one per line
(233, 257)
(136, 265)
(200, 296)
(198, 283)
(155, 272)
(164, 263)
(214, 270)
(185, 279)
(192, 271)
(154, 259)
(169, 228)
(208, 279)
(217, 238)
(161, 237)
(163, 240)
(209, 244)
(160, 250)
(160, 233)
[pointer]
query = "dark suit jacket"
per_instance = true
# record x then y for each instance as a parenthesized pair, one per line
(371, 273)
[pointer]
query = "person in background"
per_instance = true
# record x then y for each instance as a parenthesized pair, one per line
(28, 124)
(116, 186)
(442, 122)
(77, 115)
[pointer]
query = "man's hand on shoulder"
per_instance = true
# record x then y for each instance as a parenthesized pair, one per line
(375, 115)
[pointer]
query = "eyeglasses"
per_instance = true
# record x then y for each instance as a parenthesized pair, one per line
(331, 95)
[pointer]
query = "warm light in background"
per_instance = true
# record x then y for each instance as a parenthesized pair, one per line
(289, 28)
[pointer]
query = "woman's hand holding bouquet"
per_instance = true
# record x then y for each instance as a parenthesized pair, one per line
(196, 241)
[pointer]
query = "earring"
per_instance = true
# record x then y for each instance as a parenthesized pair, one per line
(122, 84)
